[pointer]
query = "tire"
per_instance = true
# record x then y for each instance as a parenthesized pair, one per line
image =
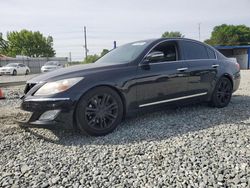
(14, 73)
(27, 72)
(222, 93)
(99, 111)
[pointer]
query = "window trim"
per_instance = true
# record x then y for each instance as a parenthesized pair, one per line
(215, 55)
(186, 60)
(178, 52)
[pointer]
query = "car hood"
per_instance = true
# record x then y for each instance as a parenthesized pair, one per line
(49, 66)
(72, 71)
(1, 68)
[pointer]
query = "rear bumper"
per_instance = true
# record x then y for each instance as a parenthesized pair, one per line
(236, 80)
(63, 109)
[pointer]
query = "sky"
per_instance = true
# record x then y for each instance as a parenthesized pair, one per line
(116, 20)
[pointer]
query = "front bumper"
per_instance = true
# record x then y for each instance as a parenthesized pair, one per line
(5, 72)
(64, 108)
(47, 70)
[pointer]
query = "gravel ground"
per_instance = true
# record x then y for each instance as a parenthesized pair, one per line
(193, 146)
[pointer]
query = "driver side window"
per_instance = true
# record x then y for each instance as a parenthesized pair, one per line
(168, 51)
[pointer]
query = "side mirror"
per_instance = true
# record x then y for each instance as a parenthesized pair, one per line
(154, 56)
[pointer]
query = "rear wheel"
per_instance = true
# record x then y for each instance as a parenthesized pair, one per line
(99, 111)
(222, 93)
(14, 73)
(27, 72)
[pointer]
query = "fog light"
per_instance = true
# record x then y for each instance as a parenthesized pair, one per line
(49, 115)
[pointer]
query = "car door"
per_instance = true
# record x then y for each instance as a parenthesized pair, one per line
(202, 66)
(21, 68)
(164, 79)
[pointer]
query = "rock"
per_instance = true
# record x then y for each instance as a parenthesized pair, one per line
(206, 147)
(25, 168)
(55, 179)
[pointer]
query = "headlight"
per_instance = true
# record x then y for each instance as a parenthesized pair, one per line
(57, 86)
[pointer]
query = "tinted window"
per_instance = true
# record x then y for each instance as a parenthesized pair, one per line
(11, 65)
(51, 63)
(169, 51)
(194, 50)
(211, 53)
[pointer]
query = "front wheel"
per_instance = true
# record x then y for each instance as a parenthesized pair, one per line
(14, 73)
(222, 93)
(99, 111)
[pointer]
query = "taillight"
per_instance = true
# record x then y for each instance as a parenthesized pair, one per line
(237, 65)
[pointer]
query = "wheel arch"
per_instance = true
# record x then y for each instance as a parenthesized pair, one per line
(228, 76)
(14, 70)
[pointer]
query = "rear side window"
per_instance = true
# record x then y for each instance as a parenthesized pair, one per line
(211, 53)
(194, 50)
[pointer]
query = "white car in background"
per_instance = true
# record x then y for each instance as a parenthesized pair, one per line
(14, 69)
(51, 65)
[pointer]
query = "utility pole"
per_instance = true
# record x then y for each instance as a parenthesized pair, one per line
(85, 42)
(70, 57)
(199, 27)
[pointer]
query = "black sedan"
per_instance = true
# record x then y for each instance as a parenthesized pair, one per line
(94, 98)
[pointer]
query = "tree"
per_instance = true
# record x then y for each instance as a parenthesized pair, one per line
(3, 45)
(28, 43)
(95, 57)
(91, 59)
(172, 34)
(104, 51)
(229, 35)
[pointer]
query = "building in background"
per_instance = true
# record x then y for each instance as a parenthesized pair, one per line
(3, 57)
(241, 53)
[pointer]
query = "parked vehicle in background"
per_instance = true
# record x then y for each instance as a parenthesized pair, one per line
(136, 76)
(14, 69)
(50, 66)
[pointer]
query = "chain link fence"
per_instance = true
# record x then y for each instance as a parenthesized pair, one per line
(34, 64)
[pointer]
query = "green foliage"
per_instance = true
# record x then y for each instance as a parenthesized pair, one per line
(3, 45)
(104, 51)
(74, 63)
(91, 59)
(28, 43)
(172, 34)
(229, 35)
(95, 57)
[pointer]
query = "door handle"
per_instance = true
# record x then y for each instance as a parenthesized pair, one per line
(215, 66)
(182, 69)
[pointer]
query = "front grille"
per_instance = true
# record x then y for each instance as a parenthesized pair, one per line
(28, 87)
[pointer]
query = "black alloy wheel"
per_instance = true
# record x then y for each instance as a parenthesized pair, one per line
(222, 93)
(99, 111)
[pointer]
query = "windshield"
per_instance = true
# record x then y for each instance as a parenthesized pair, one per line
(124, 53)
(51, 63)
(11, 65)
